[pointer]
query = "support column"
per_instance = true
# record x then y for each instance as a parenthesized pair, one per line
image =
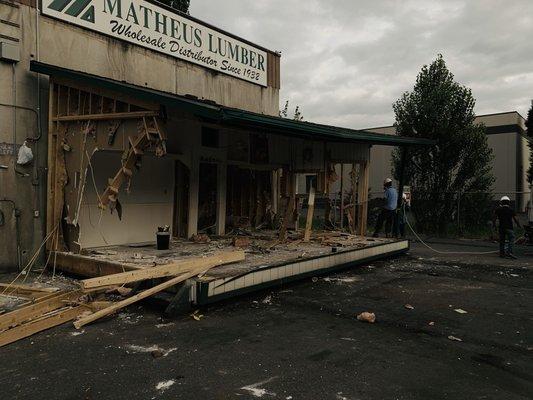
(222, 172)
(194, 184)
(362, 195)
(275, 191)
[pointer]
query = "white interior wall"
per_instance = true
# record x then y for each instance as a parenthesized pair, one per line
(149, 204)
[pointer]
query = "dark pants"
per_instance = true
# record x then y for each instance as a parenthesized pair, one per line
(506, 241)
(387, 217)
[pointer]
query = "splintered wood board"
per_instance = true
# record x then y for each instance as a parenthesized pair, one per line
(37, 309)
(40, 324)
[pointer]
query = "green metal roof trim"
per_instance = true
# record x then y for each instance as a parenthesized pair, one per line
(278, 125)
(196, 107)
(308, 129)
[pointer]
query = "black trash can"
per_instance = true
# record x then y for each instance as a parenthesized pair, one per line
(163, 240)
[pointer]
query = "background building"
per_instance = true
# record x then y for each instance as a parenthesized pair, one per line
(506, 137)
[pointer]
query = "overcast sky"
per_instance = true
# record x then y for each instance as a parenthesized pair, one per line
(346, 61)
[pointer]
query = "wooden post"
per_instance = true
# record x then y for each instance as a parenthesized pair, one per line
(222, 171)
(194, 183)
(290, 207)
(342, 196)
(275, 191)
(310, 212)
(362, 194)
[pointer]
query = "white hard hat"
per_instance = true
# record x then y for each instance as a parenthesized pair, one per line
(388, 180)
(505, 198)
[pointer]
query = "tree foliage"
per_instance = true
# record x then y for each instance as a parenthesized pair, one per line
(180, 5)
(441, 109)
(529, 133)
(297, 116)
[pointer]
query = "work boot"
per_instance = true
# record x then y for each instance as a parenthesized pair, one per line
(512, 256)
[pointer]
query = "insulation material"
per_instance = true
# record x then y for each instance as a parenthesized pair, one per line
(149, 204)
(25, 155)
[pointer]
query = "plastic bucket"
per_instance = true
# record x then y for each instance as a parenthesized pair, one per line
(163, 240)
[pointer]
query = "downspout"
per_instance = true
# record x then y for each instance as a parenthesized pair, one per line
(16, 212)
(14, 96)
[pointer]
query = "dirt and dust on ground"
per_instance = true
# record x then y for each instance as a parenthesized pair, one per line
(443, 330)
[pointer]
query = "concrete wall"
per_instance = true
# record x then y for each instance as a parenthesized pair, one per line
(28, 187)
(79, 49)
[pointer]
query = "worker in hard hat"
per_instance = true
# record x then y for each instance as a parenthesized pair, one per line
(505, 215)
(388, 211)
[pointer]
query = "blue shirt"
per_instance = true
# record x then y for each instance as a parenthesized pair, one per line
(391, 197)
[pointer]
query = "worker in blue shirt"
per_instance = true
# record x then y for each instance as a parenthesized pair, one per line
(388, 212)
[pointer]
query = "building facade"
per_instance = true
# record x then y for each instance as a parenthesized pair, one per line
(139, 117)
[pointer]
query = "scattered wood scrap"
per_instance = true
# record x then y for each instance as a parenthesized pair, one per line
(47, 308)
(26, 290)
(47, 321)
(43, 313)
(38, 308)
(130, 300)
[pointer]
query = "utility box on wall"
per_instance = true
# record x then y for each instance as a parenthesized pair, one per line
(9, 52)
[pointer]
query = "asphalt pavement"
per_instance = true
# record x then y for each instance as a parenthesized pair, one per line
(444, 330)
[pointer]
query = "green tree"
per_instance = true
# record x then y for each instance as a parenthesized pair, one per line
(529, 133)
(284, 113)
(180, 5)
(441, 176)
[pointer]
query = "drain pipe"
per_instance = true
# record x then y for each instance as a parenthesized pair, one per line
(16, 213)
(14, 95)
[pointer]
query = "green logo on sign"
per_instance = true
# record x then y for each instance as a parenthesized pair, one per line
(75, 8)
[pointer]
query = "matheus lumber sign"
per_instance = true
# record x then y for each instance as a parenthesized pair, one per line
(156, 28)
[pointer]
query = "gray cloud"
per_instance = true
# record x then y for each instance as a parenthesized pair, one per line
(345, 62)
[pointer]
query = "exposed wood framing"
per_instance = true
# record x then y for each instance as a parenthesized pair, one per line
(106, 116)
(150, 134)
(72, 140)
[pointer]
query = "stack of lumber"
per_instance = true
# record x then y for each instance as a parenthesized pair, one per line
(43, 310)
(85, 305)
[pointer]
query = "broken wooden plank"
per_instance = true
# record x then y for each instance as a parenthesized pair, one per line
(37, 309)
(28, 288)
(147, 293)
(41, 324)
(25, 291)
(310, 212)
(89, 266)
(165, 270)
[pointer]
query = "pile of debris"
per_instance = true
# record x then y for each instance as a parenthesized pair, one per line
(49, 307)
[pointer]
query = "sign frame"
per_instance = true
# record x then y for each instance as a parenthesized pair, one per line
(159, 28)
